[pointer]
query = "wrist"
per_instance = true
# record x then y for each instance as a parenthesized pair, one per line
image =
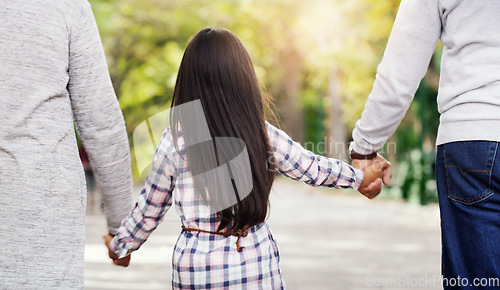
(359, 180)
(355, 155)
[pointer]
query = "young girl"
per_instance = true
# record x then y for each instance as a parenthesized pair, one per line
(232, 247)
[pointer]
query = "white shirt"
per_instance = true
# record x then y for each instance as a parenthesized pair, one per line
(469, 87)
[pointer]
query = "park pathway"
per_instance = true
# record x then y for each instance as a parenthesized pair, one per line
(328, 239)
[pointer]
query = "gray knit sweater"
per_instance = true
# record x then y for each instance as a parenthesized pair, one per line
(53, 71)
(469, 87)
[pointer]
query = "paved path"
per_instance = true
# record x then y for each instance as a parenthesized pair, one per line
(328, 239)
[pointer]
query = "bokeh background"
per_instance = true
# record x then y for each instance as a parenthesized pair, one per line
(317, 59)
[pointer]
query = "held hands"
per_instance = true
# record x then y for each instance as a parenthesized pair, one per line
(125, 261)
(376, 172)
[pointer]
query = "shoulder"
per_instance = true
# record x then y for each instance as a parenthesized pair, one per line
(166, 142)
(78, 6)
(68, 8)
(71, 12)
(171, 146)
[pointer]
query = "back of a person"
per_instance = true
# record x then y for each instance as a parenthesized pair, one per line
(467, 159)
(217, 165)
(42, 190)
(467, 152)
(469, 91)
(259, 256)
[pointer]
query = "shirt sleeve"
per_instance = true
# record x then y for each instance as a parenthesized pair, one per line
(98, 118)
(153, 202)
(412, 42)
(297, 163)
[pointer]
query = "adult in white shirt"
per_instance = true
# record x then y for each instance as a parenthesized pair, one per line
(467, 167)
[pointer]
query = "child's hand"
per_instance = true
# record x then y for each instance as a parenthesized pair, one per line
(125, 261)
(374, 172)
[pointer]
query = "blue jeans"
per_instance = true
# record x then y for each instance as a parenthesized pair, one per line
(468, 181)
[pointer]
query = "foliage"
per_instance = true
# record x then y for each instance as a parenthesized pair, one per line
(314, 117)
(296, 46)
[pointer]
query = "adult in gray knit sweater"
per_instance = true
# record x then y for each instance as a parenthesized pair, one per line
(467, 163)
(53, 71)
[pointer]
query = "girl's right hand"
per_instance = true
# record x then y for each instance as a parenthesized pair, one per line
(376, 172)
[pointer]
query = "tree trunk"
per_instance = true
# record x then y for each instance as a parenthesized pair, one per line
(289, 92)
(336, 139)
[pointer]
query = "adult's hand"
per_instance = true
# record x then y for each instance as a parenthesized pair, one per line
(377, 171)
(124, 262)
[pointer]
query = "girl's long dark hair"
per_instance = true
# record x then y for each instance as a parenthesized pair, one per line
(217, 70)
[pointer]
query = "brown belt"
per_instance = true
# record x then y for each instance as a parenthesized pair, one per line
(239, 233)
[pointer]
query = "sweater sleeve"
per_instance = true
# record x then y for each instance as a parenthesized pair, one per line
(413, 39)
(153, 202)
(98, 118)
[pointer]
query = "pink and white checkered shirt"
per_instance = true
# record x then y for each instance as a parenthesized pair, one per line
(207, 261)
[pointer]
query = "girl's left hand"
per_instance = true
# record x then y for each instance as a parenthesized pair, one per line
(124, 262)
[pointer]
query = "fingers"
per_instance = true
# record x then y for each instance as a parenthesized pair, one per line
(124, 262)
(373, 189)
(377, 172)
(384, 165)
(387, 175)
(380, 163)
(112, 255)
(107, 239)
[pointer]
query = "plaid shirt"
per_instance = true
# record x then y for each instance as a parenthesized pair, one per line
(202, 260)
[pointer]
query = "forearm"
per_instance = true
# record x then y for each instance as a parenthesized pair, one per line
(105, 139)
(138, 225)
(297, 163)
(331, 172)
(130, 236)
(317, 170)
(112, 170)
(152, 204)
(98, 118)
(410, 47)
